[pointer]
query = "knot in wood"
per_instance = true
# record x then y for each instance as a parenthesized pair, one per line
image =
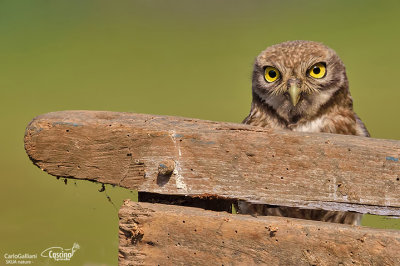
(166, 167)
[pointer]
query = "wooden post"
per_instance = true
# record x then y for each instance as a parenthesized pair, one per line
(156, 234)
(211, 165)
(220, 160)
(225, 160)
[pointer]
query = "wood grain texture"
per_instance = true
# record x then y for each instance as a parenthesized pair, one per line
(235, 161)
(156, 234)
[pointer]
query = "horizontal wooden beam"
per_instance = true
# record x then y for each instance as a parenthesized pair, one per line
(182, 156)
(156, 234)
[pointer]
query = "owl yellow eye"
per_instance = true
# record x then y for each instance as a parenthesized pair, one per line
(271, 74)
(317, 71)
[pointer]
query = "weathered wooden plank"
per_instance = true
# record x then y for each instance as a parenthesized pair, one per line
(235, 161)
(156, 234)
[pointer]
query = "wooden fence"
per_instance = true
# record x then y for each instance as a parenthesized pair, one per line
(211, 165)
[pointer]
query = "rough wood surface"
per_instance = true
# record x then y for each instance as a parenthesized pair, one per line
(181, 156)
(156, 234)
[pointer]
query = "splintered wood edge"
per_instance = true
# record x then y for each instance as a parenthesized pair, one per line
(197, 158)
(151, 234)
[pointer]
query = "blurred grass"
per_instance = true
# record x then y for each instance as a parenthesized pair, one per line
(187, 58)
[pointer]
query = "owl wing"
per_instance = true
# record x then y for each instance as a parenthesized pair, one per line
(361, 130)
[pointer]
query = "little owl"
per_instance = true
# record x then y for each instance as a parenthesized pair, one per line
(302, 86)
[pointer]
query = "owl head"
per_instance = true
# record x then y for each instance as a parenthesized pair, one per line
(297, 78)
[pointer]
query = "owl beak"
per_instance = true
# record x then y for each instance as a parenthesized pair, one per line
(294, 92)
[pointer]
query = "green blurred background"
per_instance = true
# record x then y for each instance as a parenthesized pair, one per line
(186, 58)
